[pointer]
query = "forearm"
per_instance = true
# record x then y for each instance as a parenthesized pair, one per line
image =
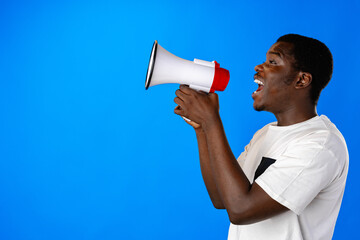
(206, 170)
(230, 180)
(225, 180)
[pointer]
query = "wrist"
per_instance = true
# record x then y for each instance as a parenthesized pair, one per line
(212, 123)
(199, 130)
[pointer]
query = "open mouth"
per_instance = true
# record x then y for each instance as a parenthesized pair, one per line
(261, 85)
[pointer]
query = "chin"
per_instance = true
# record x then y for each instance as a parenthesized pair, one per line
(259, 108)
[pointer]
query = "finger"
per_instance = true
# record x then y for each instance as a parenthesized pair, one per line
(178, 111)
(193, 124)
(186, 89)
(178, 101)
(180, 94)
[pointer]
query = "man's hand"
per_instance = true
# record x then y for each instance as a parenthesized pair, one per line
(195, 125)
(199, 107)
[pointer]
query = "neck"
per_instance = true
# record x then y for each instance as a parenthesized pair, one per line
(295, 115)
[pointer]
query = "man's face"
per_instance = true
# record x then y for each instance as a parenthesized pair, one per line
(275, 78)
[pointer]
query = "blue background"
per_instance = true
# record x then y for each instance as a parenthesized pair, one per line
(87, 153)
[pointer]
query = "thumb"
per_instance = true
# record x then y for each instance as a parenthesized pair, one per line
(214, 98)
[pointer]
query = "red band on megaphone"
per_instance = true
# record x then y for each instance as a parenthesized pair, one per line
(221, 78)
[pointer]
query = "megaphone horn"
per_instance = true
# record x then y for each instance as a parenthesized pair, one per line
(165, 67)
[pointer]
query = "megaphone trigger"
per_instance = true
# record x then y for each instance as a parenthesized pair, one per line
(186, 119)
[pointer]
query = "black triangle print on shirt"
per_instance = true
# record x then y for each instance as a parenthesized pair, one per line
(264, 164)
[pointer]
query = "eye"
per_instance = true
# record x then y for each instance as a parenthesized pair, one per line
(272, 61)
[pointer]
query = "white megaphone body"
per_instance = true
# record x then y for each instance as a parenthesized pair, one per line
(165, 67)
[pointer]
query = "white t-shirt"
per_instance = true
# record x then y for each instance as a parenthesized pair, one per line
(304, 167)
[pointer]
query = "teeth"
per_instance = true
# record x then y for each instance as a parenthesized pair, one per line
(259, 82)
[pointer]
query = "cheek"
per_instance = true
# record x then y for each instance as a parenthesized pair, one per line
(279, 93)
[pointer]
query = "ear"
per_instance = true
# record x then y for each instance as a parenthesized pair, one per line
(304, 80)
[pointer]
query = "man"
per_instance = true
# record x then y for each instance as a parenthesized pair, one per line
(289, 181)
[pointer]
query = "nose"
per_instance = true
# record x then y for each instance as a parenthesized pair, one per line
(259, 68)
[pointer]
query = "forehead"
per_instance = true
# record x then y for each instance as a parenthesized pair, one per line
(283, 50)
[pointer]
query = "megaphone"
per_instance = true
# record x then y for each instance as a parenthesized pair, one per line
(165, 67)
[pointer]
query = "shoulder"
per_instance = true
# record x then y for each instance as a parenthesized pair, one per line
(334, 143)
(320, 133)
(320, 143)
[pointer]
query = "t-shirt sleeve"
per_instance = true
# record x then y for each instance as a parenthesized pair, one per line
(241, 159)
(299, 174)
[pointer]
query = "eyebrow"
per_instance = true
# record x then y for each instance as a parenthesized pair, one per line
(276, 53)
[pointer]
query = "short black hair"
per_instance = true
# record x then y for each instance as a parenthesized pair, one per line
(314, 57)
